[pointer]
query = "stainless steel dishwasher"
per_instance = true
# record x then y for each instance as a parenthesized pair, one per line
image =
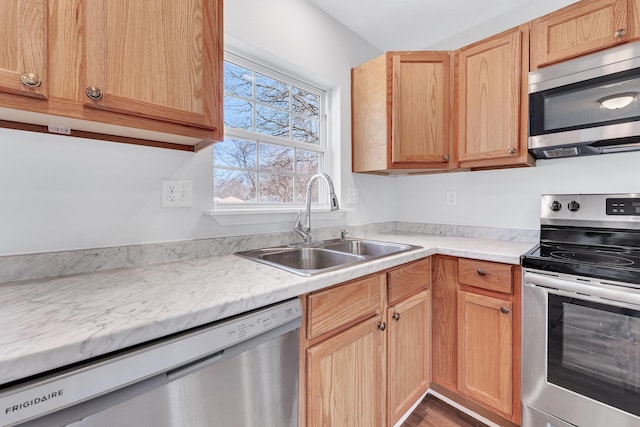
(241, 372)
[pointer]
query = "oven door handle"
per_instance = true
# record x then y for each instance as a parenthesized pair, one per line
(610, 293)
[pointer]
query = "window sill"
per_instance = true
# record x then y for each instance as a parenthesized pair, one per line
(269, 216)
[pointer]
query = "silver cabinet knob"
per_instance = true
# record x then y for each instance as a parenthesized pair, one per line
(382, 326)
(30, 80)
(512, 151)
(396, 316)
(620, 33)
(445, 157)
(94, 93)
(481, 272)
(504, 310)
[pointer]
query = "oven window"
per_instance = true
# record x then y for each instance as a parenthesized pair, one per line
(594, 350)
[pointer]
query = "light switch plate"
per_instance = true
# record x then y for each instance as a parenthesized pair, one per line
(451, 198)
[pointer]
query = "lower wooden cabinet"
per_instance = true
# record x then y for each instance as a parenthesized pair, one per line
(476, 333)
(409, 362)
(485, 331)
(363, 362)
(345, 378)
(444, 338)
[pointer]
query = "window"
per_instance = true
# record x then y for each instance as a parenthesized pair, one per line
(274, 138)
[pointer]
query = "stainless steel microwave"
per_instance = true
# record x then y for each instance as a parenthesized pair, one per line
(588, 105)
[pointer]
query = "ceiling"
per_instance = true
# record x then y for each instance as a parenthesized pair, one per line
(432, 24)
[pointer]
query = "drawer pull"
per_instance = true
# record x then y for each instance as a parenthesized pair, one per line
(482, 272)
(504, 310)
(396, 316)
(382, 326)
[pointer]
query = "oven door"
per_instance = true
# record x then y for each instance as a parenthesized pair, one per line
(581, 350)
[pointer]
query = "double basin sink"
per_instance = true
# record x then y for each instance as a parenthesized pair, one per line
(330, 255)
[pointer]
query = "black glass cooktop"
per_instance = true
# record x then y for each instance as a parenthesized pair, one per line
(602, 262)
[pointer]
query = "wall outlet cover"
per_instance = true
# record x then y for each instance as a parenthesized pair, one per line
(177, 193)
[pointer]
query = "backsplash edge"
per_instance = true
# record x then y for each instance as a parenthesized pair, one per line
(55, 264)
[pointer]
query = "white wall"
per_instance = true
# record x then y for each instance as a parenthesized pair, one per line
(60, 193)
(510, 198)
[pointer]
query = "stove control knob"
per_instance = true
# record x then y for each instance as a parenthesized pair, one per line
(573, 206)
(555, 206)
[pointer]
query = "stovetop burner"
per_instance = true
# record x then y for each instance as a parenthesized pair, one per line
(593, 258)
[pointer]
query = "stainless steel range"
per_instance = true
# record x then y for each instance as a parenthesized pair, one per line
(581, 314)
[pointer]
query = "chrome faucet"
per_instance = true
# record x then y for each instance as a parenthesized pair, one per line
(305, 230)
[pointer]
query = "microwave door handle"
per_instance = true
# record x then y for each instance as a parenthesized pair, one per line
(618, 148)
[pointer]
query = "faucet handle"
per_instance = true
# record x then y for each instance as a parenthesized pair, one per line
(343, 234)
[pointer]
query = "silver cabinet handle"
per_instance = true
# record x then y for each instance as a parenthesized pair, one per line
(94, 93)
(512, 151)
(396, 316)
(620, 33)
(445, 157)
(504, 310)
(481, 272)
(382, 326)
(30, 80)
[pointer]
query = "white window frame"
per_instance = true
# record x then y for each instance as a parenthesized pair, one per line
(323, 146)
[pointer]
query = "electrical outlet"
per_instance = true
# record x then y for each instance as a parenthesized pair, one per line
(451, 198)
(353, 196)
(177, 194)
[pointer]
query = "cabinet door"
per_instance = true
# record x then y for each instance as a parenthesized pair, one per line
(577, 29)
(485, 327)
(369, 119)
(155, 59)
(345, 378)
(420, 102)
(23, 51)
(492, 101)
(408, 370)
(444, 348)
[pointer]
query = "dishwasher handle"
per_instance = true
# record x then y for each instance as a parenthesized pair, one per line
(227, 353)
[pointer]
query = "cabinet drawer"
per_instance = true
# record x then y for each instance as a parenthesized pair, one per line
(408, 279)
(336, 307)
(486, 275)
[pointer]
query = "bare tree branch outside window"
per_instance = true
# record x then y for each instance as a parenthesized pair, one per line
(252, 170)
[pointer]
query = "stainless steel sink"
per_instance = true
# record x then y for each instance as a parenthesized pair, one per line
(316, 258)
(371, 248)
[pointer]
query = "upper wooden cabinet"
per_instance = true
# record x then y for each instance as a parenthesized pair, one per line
(491, 101)
(141, 72)
(23, 51)
(583, 27)
(148, 59)
(401, 113)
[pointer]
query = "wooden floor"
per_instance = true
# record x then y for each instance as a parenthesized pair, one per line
(433, 412)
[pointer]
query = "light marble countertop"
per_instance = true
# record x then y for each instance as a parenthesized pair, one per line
(50, 323)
